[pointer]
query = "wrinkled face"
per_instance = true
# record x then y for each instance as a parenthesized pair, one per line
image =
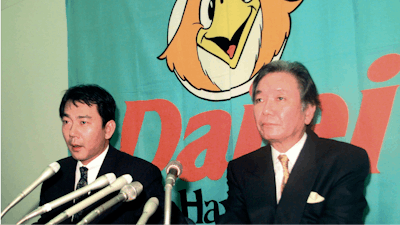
(278, 110)
(83, 131)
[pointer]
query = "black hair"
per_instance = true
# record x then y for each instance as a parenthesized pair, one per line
(91, 95)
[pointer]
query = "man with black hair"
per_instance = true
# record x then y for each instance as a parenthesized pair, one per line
(88, 123)
(297, 177)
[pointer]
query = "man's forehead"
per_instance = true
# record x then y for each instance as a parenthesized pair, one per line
(278, 81)
(278, 89)
(80, 109)
(79, 116)
(78, 103)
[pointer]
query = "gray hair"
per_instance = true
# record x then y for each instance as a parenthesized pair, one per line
(307, 88)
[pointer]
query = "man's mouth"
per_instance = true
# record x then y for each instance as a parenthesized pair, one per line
(269, 124)
(75, 147)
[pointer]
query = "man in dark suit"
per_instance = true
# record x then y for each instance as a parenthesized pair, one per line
(88, 116)
(297, 177)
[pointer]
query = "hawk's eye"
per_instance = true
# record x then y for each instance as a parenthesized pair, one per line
(207, 9)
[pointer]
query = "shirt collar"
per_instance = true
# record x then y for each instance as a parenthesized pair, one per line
(293, 153)
(95, 162)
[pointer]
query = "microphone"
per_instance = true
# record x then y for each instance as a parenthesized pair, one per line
(128, 193)
(149, 208)
(46, 174)
(174, 169)
(97, 184)
(115, 186)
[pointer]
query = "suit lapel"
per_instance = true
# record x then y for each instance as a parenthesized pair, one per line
(261, 177)
(70, 176)
(108, 163)
(299, 185)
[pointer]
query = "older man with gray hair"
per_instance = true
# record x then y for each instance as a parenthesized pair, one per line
(297, 177)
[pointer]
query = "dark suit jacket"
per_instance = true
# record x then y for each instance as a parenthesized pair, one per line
(119, 163)
(335, 170)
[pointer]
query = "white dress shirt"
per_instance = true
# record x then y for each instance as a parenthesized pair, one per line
(292, 155)
(93, 168)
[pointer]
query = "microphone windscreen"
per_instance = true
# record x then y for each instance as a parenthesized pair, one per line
(174, 164)
(132, 190)
(110, 177)
(151, 205)
(127, 177)
(55, 166)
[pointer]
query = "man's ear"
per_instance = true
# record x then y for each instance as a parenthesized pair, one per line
(309, 113)
(110, 129)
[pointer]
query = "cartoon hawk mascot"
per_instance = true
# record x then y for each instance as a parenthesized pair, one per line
(216, 47)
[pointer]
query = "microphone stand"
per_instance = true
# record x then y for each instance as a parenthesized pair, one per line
(47, 173)
(167, 204)
(174, 169)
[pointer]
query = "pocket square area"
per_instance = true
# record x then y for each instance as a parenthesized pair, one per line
(314, 197)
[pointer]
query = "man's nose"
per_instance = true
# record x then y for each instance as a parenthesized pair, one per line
(268, 107)
(73, 130)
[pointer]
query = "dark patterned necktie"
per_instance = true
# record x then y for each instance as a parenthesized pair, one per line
(83, 180)
(285, 164)
(81, 183)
